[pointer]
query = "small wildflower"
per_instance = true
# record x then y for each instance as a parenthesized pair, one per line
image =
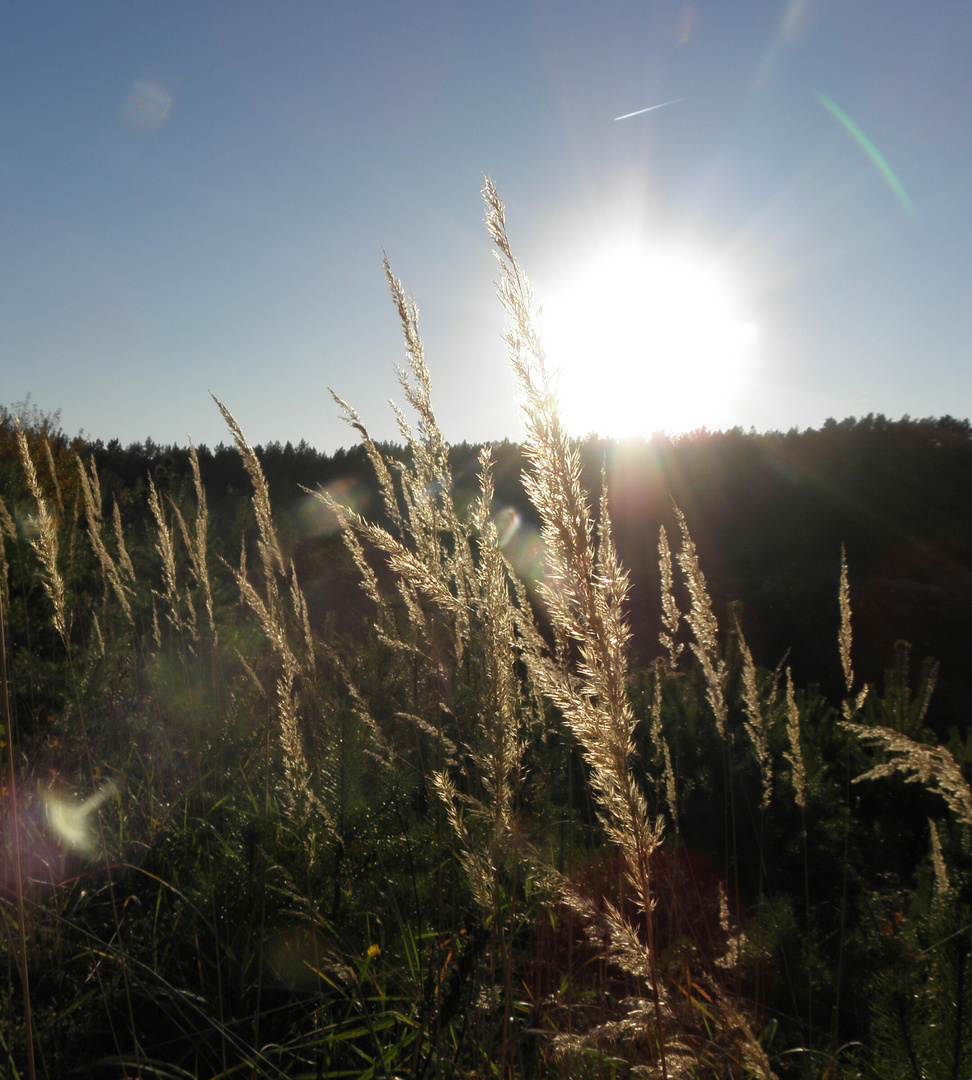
(373, 951)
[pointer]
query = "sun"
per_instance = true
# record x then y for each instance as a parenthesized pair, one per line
(647, 338)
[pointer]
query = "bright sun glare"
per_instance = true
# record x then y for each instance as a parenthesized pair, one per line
(647, 339)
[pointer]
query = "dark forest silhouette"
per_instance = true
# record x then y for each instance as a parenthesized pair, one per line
(769, 513)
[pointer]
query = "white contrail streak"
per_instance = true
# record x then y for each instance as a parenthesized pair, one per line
(651, 108)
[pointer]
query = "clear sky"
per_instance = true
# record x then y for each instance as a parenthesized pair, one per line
(195, 196)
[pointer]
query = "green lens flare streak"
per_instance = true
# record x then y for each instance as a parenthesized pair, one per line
(868, 147)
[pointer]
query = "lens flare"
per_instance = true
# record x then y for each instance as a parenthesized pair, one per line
(877, 158)
(314, 518)
(73, 822)
(295, 956)
(148, 104)
(520, 543)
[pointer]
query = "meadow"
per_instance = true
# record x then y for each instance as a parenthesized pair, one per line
(470, 833)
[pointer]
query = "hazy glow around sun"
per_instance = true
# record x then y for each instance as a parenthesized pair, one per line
(647, 339)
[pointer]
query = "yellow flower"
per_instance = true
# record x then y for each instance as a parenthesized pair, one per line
(373, 951)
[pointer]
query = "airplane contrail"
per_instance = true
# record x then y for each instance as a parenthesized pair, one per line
(651, 108)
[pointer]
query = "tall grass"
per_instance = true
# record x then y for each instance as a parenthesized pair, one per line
(469, 840)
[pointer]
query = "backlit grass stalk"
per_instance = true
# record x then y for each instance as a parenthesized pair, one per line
(756, 720)
(91, 490)
(45, 543)
(931, 766)
(269, 545)
(430, 555)
(704, 628)
(844, 637)
(296, 770)
(52, 468)
(757, 727)
(166, 551)
(8, 531)
(798, 777)
(584, 593)
(124, 559)
(196, 540)
(460, 599)
(850, 707)
(671, 616)
(428, 496)
(428, 546)
(300, 797)
(794, 755)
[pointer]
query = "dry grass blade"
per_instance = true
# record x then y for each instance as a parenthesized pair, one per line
(585, 594)
(297, 791)
(302, 615)
(664, 773)
(99, 639)
(795, 754)
(269, 545)
(932, 766)
(845, 637)
(295, 763)
(45, 543)
(427, 486)
(671, 616)
(704, 627)
(478, 866)
(431, 552)
(52, 469)
(417, 392)
(417, 576)
(124, 559)
(299, 796)
(7, 527)
(756, 721)
(384, 621)
(850, 706)
(91, 492)
(501, 760)
(942, 884)
(8, 531)
(196, 544)
(166, 551)
(385, 482)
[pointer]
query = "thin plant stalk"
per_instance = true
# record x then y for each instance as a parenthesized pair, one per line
(15, 839)
(585, 594)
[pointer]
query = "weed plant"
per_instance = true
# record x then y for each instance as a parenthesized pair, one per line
(470, 841)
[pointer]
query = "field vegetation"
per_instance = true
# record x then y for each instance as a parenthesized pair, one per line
(408, 781)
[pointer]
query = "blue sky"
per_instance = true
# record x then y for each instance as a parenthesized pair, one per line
(195, 197)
